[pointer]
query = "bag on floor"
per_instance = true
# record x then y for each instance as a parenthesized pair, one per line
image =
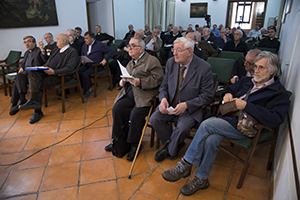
(120, 147)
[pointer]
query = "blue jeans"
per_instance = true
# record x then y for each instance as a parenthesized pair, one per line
(203, 149)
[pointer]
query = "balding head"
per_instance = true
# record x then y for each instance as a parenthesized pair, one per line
(139, 33)
(62, 40)
(193, 36)
(198, 35)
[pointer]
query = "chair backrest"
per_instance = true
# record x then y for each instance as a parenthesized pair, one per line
(13, 56)
(231, 54)
(222, 67)
(118, 42)
(267, 49)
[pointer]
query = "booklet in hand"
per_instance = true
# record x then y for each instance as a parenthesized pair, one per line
(86, 59)
(124, 71)
(38, 68)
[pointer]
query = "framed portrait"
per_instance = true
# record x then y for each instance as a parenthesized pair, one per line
(198, 10)
(27, 13)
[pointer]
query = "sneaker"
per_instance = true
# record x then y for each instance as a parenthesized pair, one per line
(182, 170)
(194, 186)
(88, 94)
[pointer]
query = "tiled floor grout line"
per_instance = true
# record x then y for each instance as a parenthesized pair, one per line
(46, 167)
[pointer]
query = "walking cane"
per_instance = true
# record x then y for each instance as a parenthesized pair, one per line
(140, 142)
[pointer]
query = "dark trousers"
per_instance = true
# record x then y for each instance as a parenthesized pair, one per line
(125, 110)
(20, 87)
(39, 80)
(160, 123)
(115, 69)
(85, 72)
(166, 53)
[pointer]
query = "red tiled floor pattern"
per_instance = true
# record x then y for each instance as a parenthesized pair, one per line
(79, 168)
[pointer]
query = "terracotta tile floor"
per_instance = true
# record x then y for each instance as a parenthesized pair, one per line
(79, 168)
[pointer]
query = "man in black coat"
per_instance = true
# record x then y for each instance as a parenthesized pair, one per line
(237, 44)
(32, 57)
(63, 60)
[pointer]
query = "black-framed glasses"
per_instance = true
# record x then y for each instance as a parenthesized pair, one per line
(259, 67)
(249, 63)
(178, 50)
(133, 46)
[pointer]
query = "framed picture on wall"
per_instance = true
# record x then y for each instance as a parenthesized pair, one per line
(27, 13)
(198, 10)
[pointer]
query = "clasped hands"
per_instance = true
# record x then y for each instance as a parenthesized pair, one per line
(132, 81)
(240, 104)
(178, 110)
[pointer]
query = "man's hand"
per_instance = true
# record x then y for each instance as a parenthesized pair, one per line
(163, 106)
(234, 79)
(41, 46)
(122, 82)
(180, 108)
(240, 104)
(83, 63)
(154, 39)
(105, 41)
(50, 71)
(118, 49)
(126, 49)
(227, 97)
(134, 81)
(103, 62)
(21, 70)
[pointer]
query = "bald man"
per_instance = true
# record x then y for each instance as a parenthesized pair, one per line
(63, 60)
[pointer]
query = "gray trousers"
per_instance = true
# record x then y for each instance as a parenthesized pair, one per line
(164, 131)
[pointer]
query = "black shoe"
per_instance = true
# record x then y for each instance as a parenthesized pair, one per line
(113, 86)
(131, 154)
(14, 110)
(163, 153)
(88, 94)
(108, 147)
(30, 105)
(178, 149)
(36, 117)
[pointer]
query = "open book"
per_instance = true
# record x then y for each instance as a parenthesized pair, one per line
(124, 71)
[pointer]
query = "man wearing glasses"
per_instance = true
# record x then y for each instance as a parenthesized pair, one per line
(134, 100)
(187, 86)
(32, 57)
(244, 66)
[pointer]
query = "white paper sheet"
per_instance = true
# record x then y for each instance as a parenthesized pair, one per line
(124, 71)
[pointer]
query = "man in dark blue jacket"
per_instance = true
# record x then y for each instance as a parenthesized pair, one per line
(97, 52)
(267, 103)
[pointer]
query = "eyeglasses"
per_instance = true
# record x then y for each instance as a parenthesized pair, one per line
(133, 46)
(178, 50)
(249, 63)
(27, 42)
(259, 67)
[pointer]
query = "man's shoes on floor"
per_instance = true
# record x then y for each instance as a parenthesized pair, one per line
(182, 170)
(14, 110)
(194, 186)
(30, 105)
(36, 117)
(88, 94)
(113, 86)
(163, 153)
(178, 149)
(131, 153)
(108, 147)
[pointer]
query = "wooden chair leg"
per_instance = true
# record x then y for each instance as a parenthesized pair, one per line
(152, 137)
(157, 142)
(271, 156)
(45, 98)
(95, 81)
(245, 168)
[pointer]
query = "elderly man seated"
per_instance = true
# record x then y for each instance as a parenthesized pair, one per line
(153, 42)
(267, 102)
(237, 44)
(134, 100)
(63, 60)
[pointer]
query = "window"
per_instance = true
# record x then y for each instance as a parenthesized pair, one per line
(243, 12)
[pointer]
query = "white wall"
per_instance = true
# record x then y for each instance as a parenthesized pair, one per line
(12, 39)
(272, 10)
(284, 180)
(128, 12)
(101, 13)
(217, 10)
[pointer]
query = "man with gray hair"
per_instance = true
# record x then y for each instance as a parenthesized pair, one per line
(186, 87)
(244, 66)
(237, 44)
(134, 100)
(193, 37)
(74, 42)
(63, 60)
(153, 42)
(267, 103)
